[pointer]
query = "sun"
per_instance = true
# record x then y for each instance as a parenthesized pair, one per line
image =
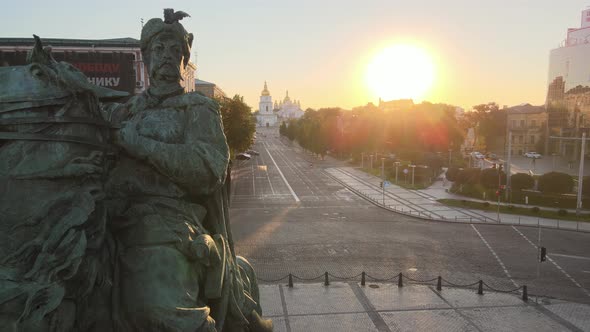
(401, 71)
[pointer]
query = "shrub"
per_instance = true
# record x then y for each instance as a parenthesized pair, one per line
(521, 181)
(535, 209)
(562, 212)
(452, 173)
(586, 186)
(556, 182)
(489, 178)
(486, 204)
(469, 175)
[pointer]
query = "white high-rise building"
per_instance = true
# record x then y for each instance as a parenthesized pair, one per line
(569, 68)
(266, 116)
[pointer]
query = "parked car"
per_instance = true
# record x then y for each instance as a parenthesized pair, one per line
(243, 156)
(253, 153)
(532, 154)
(492, 156)
(477, 155)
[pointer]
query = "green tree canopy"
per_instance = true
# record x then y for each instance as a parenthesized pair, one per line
(489, 178)
(238, 124)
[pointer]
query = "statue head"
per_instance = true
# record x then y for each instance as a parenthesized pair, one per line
(166, 47)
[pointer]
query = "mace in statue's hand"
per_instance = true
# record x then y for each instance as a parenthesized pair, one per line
(205, 250)
(130, 140)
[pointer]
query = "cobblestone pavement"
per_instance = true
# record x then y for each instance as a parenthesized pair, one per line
(385, 307)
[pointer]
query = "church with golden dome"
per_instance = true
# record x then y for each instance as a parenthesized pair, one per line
(270, 114)
(266, 116)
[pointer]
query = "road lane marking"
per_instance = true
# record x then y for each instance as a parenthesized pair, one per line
(495, 256)
(283, 176)
(554, 263)
(571, 256)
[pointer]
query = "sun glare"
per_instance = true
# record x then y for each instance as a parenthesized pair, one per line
(399, 72)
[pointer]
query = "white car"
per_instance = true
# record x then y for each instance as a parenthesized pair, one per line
(477, 155)
(533, 155)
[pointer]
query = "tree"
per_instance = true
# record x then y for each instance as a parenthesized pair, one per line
(469, 176)
(556, 182)
(521, 181)
(453, 173)
(489, 178)
(238, 124)
(586, 186)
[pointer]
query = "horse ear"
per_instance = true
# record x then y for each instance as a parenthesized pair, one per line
(189, 40)
(38, 54)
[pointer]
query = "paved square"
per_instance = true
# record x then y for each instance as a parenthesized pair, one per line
(315, 299)
(576, 313)
(333, 323)
(270, 300)
(390, 297)
(512, 319)
(427, 320)
(469, 298)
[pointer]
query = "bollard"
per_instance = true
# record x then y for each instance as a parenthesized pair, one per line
(439, 284)
(326, 281)
(290, 280)
(480, 288)
(400, 282)
(363, 278)
(525, 295)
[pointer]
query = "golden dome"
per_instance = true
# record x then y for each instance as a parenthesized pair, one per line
(265, 91)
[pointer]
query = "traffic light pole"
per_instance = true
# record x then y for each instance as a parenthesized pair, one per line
(508, 170)
(581, 176)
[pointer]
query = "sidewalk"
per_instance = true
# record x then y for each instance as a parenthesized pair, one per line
(423, 203)
(384, 307)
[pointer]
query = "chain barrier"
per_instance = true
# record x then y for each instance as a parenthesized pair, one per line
(344, 278)
(273, 280)
(418, 281)
(502, 291)
(306, 279)
(438, 281)
(459, 285)
(380, 280)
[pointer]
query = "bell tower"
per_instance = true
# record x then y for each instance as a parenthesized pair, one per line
(265, 105)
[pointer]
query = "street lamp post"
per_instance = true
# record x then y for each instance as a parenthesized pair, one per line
(371, 163)
(413, 168)
(397, 163)
(450, 151)
(581, 175)
(383, 169)
(362, 160)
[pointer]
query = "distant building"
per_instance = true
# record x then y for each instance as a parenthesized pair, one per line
(113, 63)
(569, 66)
(209, 89)
(568, 92)
(527, 124)
(266, 116)
(288, 109)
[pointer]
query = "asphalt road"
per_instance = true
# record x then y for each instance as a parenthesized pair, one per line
(289, 216)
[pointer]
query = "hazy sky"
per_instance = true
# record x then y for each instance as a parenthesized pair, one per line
(318, 50)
